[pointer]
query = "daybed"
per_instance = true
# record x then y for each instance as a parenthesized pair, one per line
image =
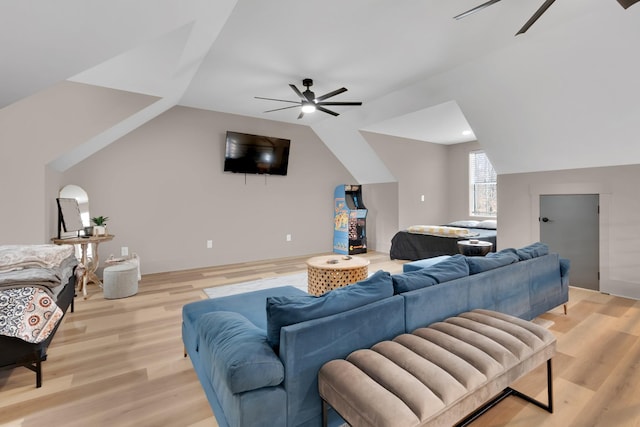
(257, 355)
(420, 241)
(37, 285)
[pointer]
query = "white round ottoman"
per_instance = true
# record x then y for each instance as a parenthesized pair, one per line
(120, 280)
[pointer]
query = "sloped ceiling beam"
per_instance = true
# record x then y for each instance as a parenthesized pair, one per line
(163, 67)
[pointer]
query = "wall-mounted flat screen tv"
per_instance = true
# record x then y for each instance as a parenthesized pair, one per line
(246, 153)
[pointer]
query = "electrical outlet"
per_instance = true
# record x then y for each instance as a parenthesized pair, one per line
(288, 237)
(422, 198)
(209, 244)
(124, 251)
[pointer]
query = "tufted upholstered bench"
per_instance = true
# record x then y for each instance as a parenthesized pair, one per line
(450, 372)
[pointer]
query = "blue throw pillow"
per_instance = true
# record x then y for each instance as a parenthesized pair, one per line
(412, 280)
(450, 269)
(284, 311)
(240, 354)
(491, 261)
(533, 250)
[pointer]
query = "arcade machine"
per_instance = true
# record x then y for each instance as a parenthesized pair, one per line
(350, 221)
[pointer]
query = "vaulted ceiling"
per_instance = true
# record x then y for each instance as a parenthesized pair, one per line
(566, 94)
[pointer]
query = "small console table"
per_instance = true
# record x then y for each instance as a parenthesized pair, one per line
(328, 272)
(90, 268)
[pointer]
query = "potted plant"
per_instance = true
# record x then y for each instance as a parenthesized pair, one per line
(100, 228)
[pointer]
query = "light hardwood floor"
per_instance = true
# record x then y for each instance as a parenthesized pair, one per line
(120, 362)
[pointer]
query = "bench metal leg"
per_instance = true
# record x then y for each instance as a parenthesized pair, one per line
(324, 413)
(511, 392)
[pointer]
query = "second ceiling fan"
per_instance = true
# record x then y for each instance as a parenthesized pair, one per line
(309, 102)
(624, 3)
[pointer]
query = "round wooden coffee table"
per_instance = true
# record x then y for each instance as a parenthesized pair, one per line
(328, 272)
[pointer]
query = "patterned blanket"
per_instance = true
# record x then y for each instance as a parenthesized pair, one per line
(28, 313)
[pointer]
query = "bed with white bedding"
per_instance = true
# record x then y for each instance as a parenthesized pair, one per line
(37, 285)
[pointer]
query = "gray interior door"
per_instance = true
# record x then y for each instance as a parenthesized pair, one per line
(569, 225)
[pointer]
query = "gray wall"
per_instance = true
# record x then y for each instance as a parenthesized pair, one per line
(382, 205)
(36, 131)
(439, 172)
(164, 188)
(519, 205)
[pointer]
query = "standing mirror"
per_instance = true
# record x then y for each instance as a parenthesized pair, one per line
(73, 205)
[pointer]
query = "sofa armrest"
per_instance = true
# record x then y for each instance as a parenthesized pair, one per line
(306, 346)
(238, 353)
(565, 265)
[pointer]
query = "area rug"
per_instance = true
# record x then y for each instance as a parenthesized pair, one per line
(297, 280)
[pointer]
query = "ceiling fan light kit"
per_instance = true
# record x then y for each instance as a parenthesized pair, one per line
(309, 103)
(308, 107)
(624, 3)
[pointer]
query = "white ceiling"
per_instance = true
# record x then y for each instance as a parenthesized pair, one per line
(568, 84)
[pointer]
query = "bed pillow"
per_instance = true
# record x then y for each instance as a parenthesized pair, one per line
(239, 352)
(289, 310)
(412, 280)
(464, 224)
(489, 224)
(533, 250)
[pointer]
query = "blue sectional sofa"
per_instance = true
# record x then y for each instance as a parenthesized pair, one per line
(257, 354)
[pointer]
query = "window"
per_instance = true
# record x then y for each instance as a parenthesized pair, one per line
(483, 192)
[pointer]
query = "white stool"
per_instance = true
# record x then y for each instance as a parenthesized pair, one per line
(120, 280)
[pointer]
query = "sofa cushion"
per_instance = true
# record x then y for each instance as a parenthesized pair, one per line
(412, 280)
(423, 263)
(533, 250)
(491, 261)
(240, 354)
(452, 268)
(284, 311)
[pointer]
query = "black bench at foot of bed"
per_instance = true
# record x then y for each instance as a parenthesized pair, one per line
(15, 352)
(414, 246)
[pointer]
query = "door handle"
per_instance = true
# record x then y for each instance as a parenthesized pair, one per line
(544, 219)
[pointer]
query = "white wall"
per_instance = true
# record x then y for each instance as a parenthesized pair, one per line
(519, 195)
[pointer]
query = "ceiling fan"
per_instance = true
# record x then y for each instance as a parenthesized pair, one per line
(309, 102)
(624, 3)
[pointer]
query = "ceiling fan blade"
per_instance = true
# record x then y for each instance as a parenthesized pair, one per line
(339, 103)
(283, 108)
(475, 9)
(330, 94)
(324, 110)
(295, 89)
(535, 16)
(627, 3)
(275, 99)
